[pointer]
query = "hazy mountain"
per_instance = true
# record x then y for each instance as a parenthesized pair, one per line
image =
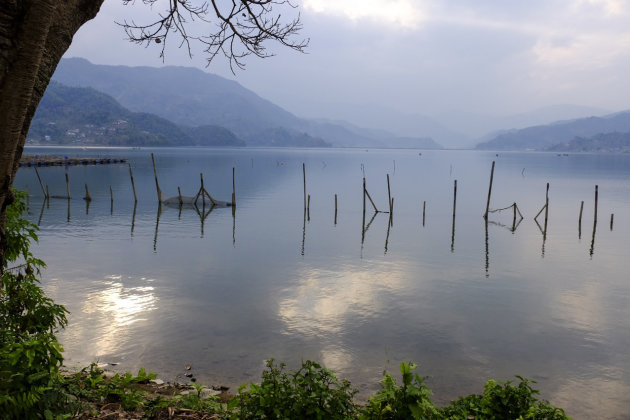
(543, 136)
(84, 116)
(606, 142)
(391, 123)
(191, 97)
(485, 127)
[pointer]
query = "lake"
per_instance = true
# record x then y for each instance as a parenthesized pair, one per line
(157, 287)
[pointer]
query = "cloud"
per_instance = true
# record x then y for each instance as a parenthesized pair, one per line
(404, 13)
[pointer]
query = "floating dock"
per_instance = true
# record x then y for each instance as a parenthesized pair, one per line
(49, 160)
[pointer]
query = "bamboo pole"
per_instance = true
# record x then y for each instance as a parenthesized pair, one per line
(233, 187)
(580, 216)
(391, 213)
(372, 201)
(612, 218)
(111, 194)
(87, 194)
(41, 184)
(179, 193)
(203, 191)
(47, 193)
(514, 217)
(67, 186)
(157, 185)
(424, 210)
(304, 180)
(454, 197)
(308, 208)
(485, 216)
(454, 206)
(133, 185)
(133, 217)
(335, 208)
(364, 191)
(540, 211)
(546, 207)
(389, 195)
(596, 194)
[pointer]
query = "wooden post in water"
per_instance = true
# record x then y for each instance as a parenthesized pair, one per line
(595, 214)
(233, 187)
(111, 194)
(514, 217)
(87, 194)
(424, 209)
(485, 216)
(580, 219)
(133, 185)
(335, 208)
(41, 184)
(47, 193)
(389, 195)
(67, 186)
(304, 178)
(157, 185)
(179, 193)
(364, 191)
(391, 213)
(612, 218)
(546, 207)
(308, 208)
(203, 191)
(454, 198)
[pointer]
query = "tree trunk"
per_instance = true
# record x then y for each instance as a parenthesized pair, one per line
(34, 35)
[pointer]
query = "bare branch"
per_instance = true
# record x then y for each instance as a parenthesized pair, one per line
(232, 28)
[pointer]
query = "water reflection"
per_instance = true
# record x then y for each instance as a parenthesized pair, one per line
(110, 311)
(592, 248)
(324, 302)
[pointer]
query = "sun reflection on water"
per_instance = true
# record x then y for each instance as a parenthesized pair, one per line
(111, 310)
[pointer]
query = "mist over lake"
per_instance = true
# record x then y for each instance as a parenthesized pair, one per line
(157, 287)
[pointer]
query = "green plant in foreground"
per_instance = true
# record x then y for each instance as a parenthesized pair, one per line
(503, 400)
(312, 392)
(411, 400)
(30, 355)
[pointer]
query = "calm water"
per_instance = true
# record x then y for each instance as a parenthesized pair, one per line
(162, 288)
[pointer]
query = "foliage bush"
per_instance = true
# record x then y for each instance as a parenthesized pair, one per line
(30, 355)
(411, 400)
(312, 392)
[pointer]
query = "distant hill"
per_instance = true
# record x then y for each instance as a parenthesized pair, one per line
(84, 116)
(484, 127)
(544, 136)
(606, 143)
(191, 97)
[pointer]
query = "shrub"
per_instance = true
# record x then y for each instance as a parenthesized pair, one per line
(30, 355)
(312, 392)
(411, 400)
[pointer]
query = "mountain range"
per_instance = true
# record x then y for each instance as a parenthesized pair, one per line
(553, 136)
(187, 106)
(190, 97)
(84, 116)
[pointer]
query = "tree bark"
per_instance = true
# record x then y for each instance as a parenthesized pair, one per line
(34, 35)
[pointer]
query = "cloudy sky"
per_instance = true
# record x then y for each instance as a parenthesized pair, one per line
(490, 57)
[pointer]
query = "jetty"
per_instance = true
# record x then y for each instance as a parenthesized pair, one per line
(50, 160)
